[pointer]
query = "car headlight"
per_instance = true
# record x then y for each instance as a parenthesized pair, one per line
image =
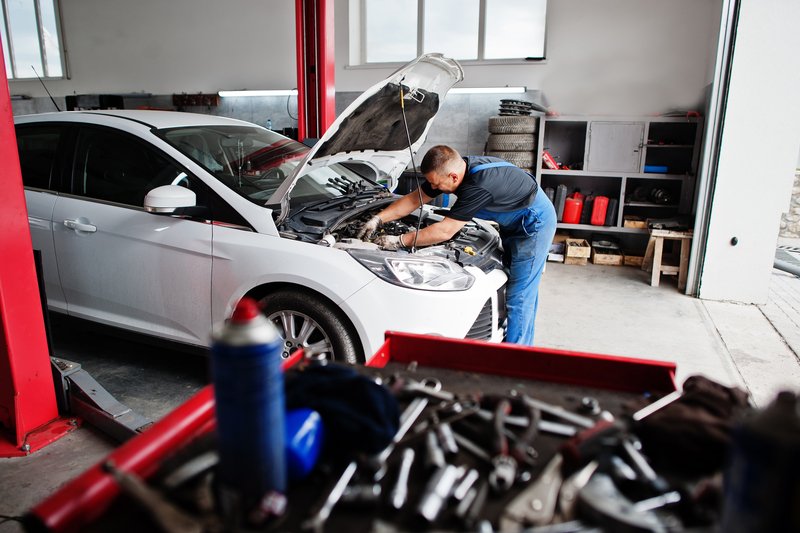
(424, 273)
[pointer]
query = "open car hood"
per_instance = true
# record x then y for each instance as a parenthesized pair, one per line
(373, 129)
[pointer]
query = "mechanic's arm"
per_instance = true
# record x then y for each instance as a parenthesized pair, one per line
(397, 209)
(403, 206)
(433, 234)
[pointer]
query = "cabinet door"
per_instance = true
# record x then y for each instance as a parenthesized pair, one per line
(614, 146)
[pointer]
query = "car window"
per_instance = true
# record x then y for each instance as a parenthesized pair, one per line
(117, 167)
(250, 160)
(38, 148)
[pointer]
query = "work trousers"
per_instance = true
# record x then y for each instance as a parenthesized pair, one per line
(527, 235)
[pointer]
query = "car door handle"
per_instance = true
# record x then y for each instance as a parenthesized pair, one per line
(80, 226)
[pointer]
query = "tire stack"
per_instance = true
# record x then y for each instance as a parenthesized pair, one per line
(512, 134)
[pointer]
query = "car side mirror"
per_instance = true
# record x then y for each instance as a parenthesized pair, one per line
(167, 198)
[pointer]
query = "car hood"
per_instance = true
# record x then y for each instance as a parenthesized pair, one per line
(373, 128)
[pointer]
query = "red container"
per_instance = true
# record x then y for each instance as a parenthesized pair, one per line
(599, 208)
(572, 211)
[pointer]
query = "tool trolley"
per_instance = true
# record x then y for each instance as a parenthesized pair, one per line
(494, 471)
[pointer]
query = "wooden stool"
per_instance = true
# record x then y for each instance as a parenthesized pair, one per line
(654, 253)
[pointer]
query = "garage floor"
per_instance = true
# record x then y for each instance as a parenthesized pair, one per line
(590, 308)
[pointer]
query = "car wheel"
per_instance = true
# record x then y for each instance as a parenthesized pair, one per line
(304, 321)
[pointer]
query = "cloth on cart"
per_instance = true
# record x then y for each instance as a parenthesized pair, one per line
(693, 433)
(359, 415)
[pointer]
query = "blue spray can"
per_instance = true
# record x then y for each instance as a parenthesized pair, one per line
(248, 389)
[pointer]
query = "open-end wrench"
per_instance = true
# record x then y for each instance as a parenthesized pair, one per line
(410, 415)
(316, 522)
(559, 412)
(536, 505)
(399, 494)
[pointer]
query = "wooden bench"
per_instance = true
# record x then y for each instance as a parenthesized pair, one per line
(655, 251)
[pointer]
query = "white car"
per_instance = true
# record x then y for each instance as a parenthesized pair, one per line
(159, 222)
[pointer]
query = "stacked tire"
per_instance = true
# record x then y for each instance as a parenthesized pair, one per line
(513, 138)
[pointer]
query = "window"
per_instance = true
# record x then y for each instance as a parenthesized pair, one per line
(118, 168)
(38, 147)
(399, 30)
(31, 39)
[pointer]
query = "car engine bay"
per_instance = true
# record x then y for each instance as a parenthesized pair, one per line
(337, 226)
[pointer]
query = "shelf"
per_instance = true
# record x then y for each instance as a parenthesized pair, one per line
(610, 154)
(669, 146)
(636, 175)
(649, 204)
(604, 229)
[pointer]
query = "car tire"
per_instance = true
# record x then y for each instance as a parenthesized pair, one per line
(314, 324)
(511, 142)
(521, 159)
(513, 124)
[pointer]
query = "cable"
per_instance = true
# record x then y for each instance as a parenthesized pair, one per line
(6, 518)
(288, 98)
(414, 166)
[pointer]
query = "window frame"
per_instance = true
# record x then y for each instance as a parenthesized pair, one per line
(9, 45)
(359, 59)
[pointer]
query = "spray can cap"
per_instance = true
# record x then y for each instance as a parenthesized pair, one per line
(245, 311)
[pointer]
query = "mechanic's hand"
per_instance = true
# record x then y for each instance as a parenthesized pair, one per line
(369, 227)
(389, 242)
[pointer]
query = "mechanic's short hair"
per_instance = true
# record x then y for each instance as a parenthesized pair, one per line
(439, 159)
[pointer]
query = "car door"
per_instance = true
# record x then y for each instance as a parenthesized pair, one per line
(119, 264)
(38, 146)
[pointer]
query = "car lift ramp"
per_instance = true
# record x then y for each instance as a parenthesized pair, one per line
(80, 395)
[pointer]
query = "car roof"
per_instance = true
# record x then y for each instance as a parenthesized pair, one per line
(152, 118)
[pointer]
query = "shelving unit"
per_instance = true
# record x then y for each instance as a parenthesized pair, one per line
(647, 164)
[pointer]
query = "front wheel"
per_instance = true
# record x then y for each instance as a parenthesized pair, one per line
(306, 322)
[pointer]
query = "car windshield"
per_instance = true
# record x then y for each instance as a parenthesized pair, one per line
(255, 161)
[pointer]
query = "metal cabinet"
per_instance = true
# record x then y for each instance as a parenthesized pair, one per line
(614, 146)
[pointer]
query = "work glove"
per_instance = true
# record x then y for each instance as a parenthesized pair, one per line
(389, 242)
(369, 227)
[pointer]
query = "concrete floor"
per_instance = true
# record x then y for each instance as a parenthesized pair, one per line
(601, 309)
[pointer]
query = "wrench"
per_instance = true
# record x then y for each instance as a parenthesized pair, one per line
(400, 491)
(536, 505)
(317, 522)
(504, 467)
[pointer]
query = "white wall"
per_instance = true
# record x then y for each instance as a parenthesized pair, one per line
(603, 57)
(758, 153)
(175, 46)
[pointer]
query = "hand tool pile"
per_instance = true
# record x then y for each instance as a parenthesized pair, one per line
(485, 453)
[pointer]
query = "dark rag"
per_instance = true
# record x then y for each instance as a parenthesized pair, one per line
(693, 433)
(359, 415)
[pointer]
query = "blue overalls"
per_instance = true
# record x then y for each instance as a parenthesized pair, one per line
(526, 234)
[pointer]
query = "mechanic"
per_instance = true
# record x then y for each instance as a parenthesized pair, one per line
(491, 189)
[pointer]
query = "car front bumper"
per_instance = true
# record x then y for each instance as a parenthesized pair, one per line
(477, 313)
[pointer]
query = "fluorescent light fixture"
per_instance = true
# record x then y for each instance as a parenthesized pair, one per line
(487, 90)
(266, 92)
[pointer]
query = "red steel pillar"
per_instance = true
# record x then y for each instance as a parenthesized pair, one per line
(316, 92)
(28, 409)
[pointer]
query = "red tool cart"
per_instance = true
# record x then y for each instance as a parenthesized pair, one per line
(557, 375)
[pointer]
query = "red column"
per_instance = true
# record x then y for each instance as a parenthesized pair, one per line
(316, 62)
(27, 395)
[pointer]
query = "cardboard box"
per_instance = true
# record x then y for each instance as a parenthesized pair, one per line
(577, 252)
(631, 221)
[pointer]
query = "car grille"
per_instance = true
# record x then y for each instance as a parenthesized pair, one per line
(482, 327)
